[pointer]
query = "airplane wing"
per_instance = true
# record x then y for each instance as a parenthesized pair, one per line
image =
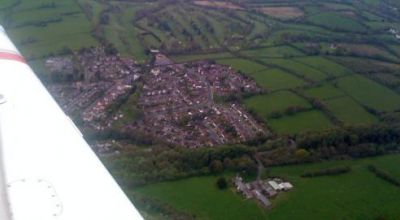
(47, 170)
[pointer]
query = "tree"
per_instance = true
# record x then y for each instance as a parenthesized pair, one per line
(222, 183)
(216, 166)
(302, 154)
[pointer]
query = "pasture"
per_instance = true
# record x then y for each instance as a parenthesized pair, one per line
(201, 197)
(324, 65)
(282, 12)
(273, 52)
(349, 111)
(276, 79)
(370, 93)
(300, 122)
(297, 68)
(358, 194)
(325, 91)
(337, 21)
(277, 101)
(246, 66)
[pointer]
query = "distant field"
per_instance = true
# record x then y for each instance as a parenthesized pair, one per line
(217, 4)
(324, 65)
(201, 197)
(282, 12)
(194, 57)
(355, 195)
(6, 3)
(245, 66)
(40, 29)
(275, 79)
(298, 68)
(325, 91)
(336, 21)
(278, 101)
(358, 194)
(300, 122)
(370, 93)
(276, 52)
(348, 111)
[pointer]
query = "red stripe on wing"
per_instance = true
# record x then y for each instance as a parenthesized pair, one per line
(11, 56)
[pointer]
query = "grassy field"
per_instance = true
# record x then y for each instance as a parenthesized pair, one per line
(336, 21)
(325, 91)
(245, 66)
(324, 65)
(275, 79)
(201, 197)
(274, 52)
(43, 28)
(194, 57)
(355, 195)
(370, 93)
(348, 111)
(304, 121)
(278, 101)
(297, 68)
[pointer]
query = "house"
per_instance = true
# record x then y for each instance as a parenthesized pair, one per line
(274, 185)
(286, 186)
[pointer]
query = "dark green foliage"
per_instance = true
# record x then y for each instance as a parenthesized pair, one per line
(327, 172)
(163, 163)
(222, 183)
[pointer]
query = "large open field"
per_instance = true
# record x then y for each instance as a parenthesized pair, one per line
(358, 194)
(370, 93)
(358, 115)
(275, 79)
(300, 122)
(278, 101)
(201, 197)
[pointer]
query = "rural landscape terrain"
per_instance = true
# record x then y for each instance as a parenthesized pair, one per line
(229, 109)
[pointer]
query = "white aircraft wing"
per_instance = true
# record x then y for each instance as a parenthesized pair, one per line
(47, 170)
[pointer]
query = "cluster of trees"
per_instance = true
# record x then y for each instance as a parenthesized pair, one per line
(327, 172)
(350, 135)
(163, 163)
(384, 175)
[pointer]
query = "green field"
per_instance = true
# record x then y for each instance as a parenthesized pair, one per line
(297, 68)
(324, 65)
(355, 195)
(278, 101)
(370, 93)
(304, 121)
(194, 57)
(325, 91)
(336, 21)
(245, 66)
(274, 52)
(41, 30)
(201, 197)
(348, 111)
(275, 79)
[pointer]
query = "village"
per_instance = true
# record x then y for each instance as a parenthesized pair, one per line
(106, 80)
(262, 190)
(181, 103)
(178, 102)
